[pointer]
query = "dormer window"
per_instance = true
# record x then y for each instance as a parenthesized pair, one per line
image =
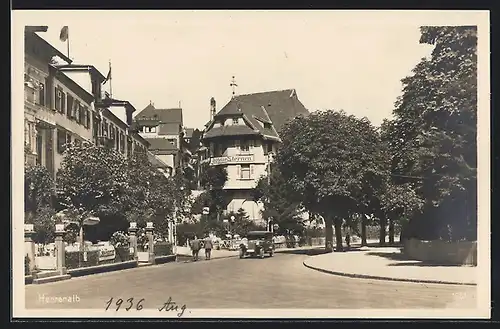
(267, 125)
(149, 129)
(235, 121)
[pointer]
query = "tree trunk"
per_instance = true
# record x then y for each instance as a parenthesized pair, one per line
(391, 231)
(363, 231)
(328, 233)
(338, 234)
(383, 224)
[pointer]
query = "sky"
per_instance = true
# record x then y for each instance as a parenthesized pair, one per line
(335, 60)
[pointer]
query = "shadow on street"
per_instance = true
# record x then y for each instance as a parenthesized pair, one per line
(308, 252)
(391, 255)
(424, 264)
(402, 257)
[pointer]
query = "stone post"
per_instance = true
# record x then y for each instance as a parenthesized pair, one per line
(29, 246)
(132, 230)
(151, 245)
(60, 250)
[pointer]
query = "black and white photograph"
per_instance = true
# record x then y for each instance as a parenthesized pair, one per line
(251, 164)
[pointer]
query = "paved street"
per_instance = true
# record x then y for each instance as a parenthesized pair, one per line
(278, 282)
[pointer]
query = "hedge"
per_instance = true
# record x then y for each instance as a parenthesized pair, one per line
(123, 255)
(163, 249)
(74, 259)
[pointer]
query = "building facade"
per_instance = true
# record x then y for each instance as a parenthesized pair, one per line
(59, 111)
(163, 129)
(243, 137)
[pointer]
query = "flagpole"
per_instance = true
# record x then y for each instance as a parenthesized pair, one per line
(110, 81)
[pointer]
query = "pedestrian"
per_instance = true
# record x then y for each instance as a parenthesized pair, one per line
(195, 247)
(208, 247)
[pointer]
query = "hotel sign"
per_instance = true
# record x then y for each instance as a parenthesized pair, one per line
(231, 160)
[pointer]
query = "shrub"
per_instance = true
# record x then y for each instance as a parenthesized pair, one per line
(163, 249)
(74, 259)
(26, 265)
(119, 240)
(123, 254)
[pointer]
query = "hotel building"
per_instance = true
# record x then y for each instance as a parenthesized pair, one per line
(243, 136)
(59, 111)
(163, 130)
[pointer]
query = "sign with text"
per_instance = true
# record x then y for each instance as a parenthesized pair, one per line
(231, 160)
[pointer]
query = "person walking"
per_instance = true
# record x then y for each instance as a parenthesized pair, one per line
(195, 248)
(208, 247)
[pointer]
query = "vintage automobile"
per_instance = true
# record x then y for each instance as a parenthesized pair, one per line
(257, 243)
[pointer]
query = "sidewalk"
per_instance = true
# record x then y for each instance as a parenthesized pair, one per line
(388, 263)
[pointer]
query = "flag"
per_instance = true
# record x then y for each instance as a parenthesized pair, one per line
(63, 36)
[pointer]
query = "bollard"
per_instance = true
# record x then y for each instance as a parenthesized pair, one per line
(60, 250)
(30, 245)
(132, 230)
(151, 244)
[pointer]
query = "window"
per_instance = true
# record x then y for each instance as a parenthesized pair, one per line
(267, 125)
(63, 102)
(244, 146)
(117, 141)
(69, 107)
(245, 172)
(77, 112)
(41, 94)
(88, 117)
(235, 121)
(149, 129)
(68, 139)
(61, 140)
(83, 111)
(105, 128)
(95, 127)
(78, 142)
(58, 94)
(29, 92)
(122, 142)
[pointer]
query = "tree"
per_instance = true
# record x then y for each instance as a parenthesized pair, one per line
(39, 196)
(38, 190)
(93, 181)
(241, 225)
(93, 178)
(213, 179)
(328, 159)
(434, 134)
(277, 206)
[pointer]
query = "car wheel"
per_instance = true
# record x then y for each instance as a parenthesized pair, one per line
(242, 253)
(261, 253)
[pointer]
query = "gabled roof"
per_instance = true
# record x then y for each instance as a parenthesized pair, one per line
(172, 115)
(280, 106)
(160, 144)
(234, 130)
(170, 128)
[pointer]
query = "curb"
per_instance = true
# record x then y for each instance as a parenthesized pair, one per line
(384, 278)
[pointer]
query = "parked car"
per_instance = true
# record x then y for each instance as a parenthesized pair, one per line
(257, 243)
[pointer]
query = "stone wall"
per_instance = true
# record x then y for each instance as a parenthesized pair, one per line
(446, 253)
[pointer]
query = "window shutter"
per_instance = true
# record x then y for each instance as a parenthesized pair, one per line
(238, 170)
(251, 170)
(63, 102)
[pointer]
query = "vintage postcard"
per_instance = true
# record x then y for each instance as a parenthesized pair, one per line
(251, 164)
